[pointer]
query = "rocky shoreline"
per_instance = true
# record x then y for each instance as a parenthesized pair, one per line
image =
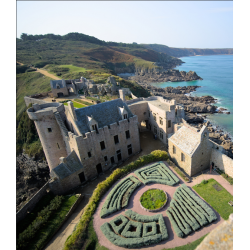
(169, 75)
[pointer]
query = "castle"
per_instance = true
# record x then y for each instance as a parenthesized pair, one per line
(81, 143)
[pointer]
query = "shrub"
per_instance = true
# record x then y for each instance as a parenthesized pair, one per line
(42, 217)
(21, 68)
(77, 238)
(176, 228)
(30, 70)
(118, 219)
(146, 226)
(136, 234)
(157, 173)
(142, 218)
(163, 228)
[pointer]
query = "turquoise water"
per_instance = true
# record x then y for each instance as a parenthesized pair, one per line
(217, 74)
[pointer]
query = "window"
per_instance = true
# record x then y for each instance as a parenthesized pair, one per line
(154, 115)
(161, 134)
(155, 129)
(125, 116)
(205, 134)
(161, 121)
(112, 160)
(127, 134)
(102, 144)
(105, 158)
(169, 124)
(119, 155)
(58, 145)
(116, 139)
(182, 157)
(148, 113)
(58, 87)
(129, 149)
(174, 150)
(49, 130)
(89, 154)
(94, 127)
(145, 113)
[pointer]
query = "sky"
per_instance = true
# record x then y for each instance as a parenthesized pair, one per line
(182, 24)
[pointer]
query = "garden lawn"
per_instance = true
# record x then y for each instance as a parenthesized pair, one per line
(153, 199)
(217, 199)
(190, 246)
(44, 234)
(76, 105)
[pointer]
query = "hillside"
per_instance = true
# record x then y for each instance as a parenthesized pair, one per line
(179, 52)
(89, 52)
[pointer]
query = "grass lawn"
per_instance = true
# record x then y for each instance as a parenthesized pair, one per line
(76, 105)
(190, 246)
(217, 199)
(51, 226)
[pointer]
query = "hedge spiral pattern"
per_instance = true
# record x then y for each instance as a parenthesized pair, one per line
(157, 173)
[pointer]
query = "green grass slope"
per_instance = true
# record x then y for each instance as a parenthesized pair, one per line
(29, 83)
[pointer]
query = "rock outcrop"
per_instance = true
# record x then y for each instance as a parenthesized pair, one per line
(31, 175)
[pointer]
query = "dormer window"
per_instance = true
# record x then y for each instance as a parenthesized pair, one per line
(123, 113)
(93, 125)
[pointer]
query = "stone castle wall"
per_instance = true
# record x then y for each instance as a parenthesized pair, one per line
(29, 100)
(30, 205)
(222, 161)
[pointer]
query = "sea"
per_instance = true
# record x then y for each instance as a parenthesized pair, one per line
(217, 74)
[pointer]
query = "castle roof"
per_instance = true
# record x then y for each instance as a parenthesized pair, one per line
(104, 113)
(70, 165)
(187, 139)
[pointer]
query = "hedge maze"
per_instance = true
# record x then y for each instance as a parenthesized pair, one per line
(119, 196)
(157, 173)
(135, 230)
(188, 212)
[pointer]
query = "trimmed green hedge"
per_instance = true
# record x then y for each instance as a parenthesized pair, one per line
(152, 226)
(141, 237)
(142, 218)
(187, 211)
(157, 173)
(76, 240)
(119, 195)
(136, 234)
(120, 218)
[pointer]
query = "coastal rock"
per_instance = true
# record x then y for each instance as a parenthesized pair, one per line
(192, 118)
(227, 145)
(214, 135)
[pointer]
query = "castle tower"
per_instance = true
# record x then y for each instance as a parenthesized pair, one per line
(49, 131)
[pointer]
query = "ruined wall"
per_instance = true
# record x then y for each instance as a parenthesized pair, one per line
(222, 161)
(141, 111)
(61, 90)
(29, 206)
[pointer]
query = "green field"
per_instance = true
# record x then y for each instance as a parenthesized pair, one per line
(29, 83)
(153, 199)
(217, 199)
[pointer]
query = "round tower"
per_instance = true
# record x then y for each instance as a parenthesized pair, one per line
(47, 118)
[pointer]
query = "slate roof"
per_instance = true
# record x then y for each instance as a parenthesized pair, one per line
(70, 166)
(104, 113)
(61, 83)
(186, 139)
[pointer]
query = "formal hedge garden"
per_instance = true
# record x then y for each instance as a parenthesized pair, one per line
(157, 173)
(119, 196)
(188, 212)
(153, 199)
(134, 230)
(77, 239)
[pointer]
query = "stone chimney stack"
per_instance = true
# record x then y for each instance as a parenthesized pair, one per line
(122, 94)
(72, 110)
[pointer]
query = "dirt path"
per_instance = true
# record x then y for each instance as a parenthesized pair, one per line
(44, 72)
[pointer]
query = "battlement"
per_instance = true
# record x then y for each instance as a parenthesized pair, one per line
(38, 111)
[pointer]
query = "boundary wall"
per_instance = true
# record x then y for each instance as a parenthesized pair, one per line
(29, 100)
(29, 206)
